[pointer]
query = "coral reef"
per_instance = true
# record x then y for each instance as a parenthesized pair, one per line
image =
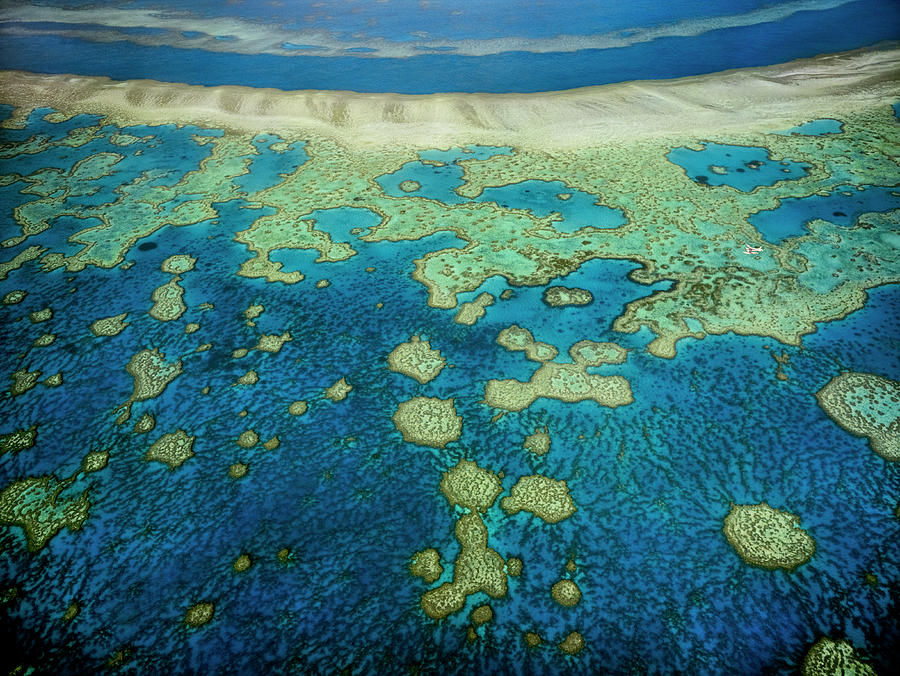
(428, 421)
(544, 497)
(767, 537)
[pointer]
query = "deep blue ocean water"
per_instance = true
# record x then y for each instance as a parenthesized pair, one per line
(707, 47)
(663, 592)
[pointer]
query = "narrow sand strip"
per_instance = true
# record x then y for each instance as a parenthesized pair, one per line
(750, 99)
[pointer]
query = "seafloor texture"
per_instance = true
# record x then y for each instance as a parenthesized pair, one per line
(280, 404)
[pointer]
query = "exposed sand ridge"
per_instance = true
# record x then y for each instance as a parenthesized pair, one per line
(750, 99)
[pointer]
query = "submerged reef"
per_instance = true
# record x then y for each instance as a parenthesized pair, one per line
(427, 565)
(566, 593)
(38, 506)
(768, 538)
(428, 421)
(168, 304)
(544, 497)
(866, 405)
(470, 486)
(109, 326)
(560, 296)
(469, 313)
(23, 380)
(567, 382)
(152, 374)
(572, 644)
(199, 614)
(145, 424)
(19, 440)
(481, 615)
(416, 359)
(338, 391)
(828, 657)
(417, 233)
(514, 338)
(273, 343)
(477, 568)
(537, 443)
(172, 449)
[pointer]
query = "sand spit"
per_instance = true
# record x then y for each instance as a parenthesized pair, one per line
(748, 99)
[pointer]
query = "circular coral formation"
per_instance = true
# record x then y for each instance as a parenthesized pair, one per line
(172, 449)
(542, 496)
(514, 566)
(866, 405)
(428, 421)
(240, 353)
(481, 615)
(768, 538)
(417, 360)
(427, 565)
(560, 296)
(272, 443)
(192, 327)
(178, 264)
(572, 644)
(248, 439)
(830, 658)
(470, 486)
(322, 283)
(566, 593)
(242, 563)
(532, 639)
(298, 408)
(409, 186)
(199, 614)
(54, 381)
(537, 443)
(238, 470)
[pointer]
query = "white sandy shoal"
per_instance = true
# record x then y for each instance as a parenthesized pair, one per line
(743, 100)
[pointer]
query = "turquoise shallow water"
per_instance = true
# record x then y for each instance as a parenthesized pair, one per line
(663, 592)
(741, 167)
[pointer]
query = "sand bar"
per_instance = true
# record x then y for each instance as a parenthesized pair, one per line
(748, 99)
